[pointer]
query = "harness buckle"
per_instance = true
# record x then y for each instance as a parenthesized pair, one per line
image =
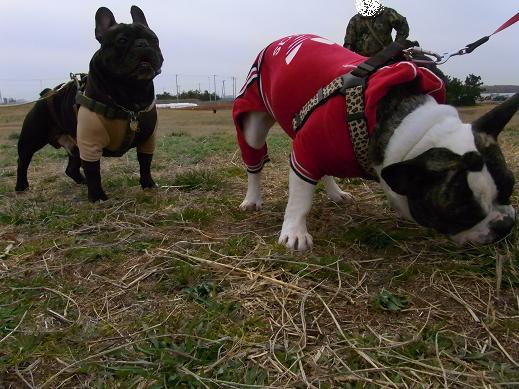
(365, 68)
(349, 80)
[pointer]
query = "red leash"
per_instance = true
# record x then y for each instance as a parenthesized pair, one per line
(442, 58)
(513, 19)
(472, 46)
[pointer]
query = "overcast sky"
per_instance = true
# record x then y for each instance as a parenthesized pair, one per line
(43, 41)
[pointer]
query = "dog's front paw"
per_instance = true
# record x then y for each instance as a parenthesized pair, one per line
(296, 238)
(341, 197)
(148, 183)
(76, 176)
(21, 187)
(251, 205)
(97, 196)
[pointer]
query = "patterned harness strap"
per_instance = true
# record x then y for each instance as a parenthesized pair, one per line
(352, 86)
(358, 128)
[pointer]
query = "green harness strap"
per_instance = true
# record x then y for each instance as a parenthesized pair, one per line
(111, 113)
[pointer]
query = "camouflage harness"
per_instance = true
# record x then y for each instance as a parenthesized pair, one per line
(352, 85)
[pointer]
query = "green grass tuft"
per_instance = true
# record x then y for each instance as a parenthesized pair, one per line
(198, 179)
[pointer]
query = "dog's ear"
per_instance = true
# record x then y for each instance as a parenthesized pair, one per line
(104, 20)
(407, 178)
(493, 122)
(138, 16)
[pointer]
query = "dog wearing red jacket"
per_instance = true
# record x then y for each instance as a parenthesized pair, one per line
(434, 169)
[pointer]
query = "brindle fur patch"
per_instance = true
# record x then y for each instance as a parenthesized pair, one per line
(391, 111)
(496, 165)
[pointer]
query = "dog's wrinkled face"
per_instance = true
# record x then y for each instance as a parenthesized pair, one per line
(128, 51)
(466, 197)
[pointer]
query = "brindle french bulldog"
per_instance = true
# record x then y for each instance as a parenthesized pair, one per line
(433, 168)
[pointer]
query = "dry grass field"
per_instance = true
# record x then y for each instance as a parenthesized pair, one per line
(177, 288)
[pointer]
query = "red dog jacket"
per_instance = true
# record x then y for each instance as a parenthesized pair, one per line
(288, 73)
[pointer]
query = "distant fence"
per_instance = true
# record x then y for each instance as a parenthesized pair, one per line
(224, 87)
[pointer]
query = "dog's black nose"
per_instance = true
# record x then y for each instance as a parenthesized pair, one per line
(502, 228)
(141, 43)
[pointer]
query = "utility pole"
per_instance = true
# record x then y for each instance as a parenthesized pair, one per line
(214, 83)
(176, 81)
(234, 87)
(223, 89)
(208, 89)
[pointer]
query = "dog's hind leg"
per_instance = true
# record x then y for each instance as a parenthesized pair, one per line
(33, 137)
(256, 126)
(335, 193)
(24, 160)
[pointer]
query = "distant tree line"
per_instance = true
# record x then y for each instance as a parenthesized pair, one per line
(190, 94)
(458, 93)
(464, 93)
(501, 88)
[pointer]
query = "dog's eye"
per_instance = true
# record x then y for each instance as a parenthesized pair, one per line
(122, 41)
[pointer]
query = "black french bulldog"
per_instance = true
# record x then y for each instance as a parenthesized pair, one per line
(115, 112)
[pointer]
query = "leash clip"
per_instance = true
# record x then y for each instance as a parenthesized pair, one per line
(419, 55)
